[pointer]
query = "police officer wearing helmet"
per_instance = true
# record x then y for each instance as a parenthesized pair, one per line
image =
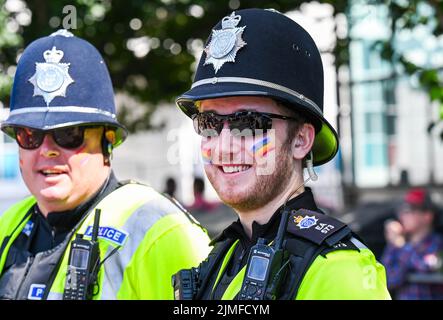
(257, 100)
(62, 116)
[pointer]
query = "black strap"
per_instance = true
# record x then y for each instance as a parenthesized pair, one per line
(61, 249)
(211, 264)
(298, 266)
(302, 253)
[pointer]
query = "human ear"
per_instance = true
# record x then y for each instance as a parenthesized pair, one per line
(303, 141)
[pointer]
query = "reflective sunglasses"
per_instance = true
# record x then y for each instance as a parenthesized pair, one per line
(68, 138)
(241, 123)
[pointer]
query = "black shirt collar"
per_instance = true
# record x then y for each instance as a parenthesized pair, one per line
(268, 230)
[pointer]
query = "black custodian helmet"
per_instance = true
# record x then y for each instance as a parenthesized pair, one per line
(62, 81)
(256, 52)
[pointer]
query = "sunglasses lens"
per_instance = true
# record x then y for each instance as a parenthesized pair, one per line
(69, 138)
(207, 125)
(249, 124)
(242, 125)
(29, 138)
(263, 123)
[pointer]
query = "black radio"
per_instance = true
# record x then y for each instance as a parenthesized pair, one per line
(186, 284)
(263, 264)
(265, 269)
(83, 265)
(189, 284)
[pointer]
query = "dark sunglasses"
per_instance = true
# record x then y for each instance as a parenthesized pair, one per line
(242, 123)
(68, 138)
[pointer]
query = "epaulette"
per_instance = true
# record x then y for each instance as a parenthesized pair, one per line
(317, 227)
(313, 234)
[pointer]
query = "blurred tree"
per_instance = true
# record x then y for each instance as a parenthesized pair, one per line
(412, 15)
(151, 46)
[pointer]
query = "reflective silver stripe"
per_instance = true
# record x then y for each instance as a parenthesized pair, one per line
(55, 296)
(259, 83)
(62, 109)
(358, 243)
(61, 125)
(137, 225)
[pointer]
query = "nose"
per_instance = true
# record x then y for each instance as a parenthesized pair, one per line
(49, 148)
(226, 146)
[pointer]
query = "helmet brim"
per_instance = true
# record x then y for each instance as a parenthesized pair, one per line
(54, 120)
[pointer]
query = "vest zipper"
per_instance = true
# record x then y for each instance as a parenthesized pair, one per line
(53, 237)
(29, 263)
(28, 267)
(238, 264)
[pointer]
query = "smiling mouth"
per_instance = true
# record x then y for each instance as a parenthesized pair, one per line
(234, 168)
(51, 172)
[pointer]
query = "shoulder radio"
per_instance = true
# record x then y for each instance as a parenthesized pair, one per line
(265, 268)
(83, 265)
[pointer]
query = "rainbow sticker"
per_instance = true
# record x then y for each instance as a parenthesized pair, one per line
(84, 161)
(206, 155)
(262, 147)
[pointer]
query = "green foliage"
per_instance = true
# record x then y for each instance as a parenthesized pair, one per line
(407, 15)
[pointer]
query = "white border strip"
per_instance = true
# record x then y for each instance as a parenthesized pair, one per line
(74, 109)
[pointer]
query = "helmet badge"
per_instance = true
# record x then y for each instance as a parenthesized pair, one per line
(51, 78)
(225, 42)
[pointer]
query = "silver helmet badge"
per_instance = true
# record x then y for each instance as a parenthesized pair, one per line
(51, 78)
(225, 42)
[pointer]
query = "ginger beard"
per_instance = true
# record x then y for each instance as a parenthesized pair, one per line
(254, 190)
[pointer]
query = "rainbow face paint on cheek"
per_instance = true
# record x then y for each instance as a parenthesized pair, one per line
(84, 156)
(206, 155)
(262, 147)
(84, 161)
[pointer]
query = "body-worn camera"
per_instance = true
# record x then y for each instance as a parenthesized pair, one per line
(186, 284)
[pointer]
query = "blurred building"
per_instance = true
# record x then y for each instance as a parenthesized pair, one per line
(12, 187)
(384, 115)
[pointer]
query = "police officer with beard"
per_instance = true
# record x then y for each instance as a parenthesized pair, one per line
(257, 100)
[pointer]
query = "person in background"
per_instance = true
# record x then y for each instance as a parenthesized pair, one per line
(413, 248)
(170, 187)
(200, 203)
